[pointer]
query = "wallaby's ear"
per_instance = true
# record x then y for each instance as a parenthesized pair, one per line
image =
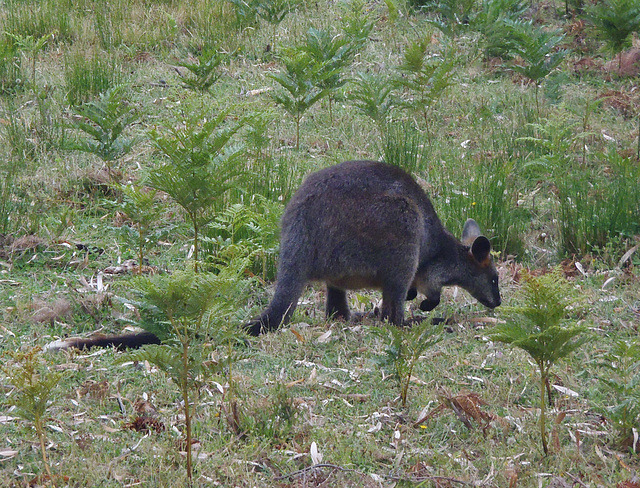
(481, 249)
(470, 231)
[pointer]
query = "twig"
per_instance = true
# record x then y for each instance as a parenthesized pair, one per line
(348, 470)
(419, 479)
(317, 466)
(576, 480)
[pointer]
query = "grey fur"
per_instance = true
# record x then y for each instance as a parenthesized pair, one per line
(365, 224)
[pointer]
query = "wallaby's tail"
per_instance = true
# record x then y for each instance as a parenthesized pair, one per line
(279, 311)
(121, 341)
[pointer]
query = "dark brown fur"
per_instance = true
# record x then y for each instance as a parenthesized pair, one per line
(365, 224)
(120, 341)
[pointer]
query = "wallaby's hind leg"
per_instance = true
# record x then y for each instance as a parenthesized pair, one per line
(337, 306)
(279, 311)
(393, 298)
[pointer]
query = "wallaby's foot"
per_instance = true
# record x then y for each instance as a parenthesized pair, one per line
(254, 328)
(410, 322)
(357, 317)
(428, 305)
(337, 306)
(418, 320)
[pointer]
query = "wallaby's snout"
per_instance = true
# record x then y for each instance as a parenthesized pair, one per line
(493, 302)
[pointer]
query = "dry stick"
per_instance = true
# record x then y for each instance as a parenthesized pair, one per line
(43, 450)
(316, 466)
(348, 470)
(419, 479)
(575, 479)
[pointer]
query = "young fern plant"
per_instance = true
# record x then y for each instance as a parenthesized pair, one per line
(140, 205)
(491, 22)
(538, 50)
(622, 379)
(331, 54)
(273, 12)
(104, 122)
(247, 231)
(301, 85)
(541, 327)
(36, 390)
(453, 15)
(404, 348)
(424, 78)
(615, 21)
(205, 72)
(179, 309)
(201, 167)
(357, 22)
(371, 95)
(33, 46)
(313, 71)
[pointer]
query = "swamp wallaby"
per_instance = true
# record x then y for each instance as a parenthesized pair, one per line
(365, 224)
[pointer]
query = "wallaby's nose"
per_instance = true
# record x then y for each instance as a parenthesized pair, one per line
(493, 303)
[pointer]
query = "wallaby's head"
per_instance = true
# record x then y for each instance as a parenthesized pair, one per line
(480, 277)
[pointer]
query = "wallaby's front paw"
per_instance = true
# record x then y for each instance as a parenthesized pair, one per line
(428, 305)
(254, 328)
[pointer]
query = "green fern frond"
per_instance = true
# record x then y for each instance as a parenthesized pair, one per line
(541, 326)
(104, 121)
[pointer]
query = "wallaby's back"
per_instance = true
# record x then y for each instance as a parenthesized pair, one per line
(345, 220)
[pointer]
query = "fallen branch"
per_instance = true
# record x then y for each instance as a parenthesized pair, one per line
(392, 478)
(318, 466)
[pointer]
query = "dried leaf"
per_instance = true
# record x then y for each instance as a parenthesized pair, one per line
(358, 397)
(395, 440)
(600, 455)
(555, 439)
(324, 337)
(145, 424)
(560, 417)
(487, 320)
(466, 406)
(298, 335)
(7, 331)
(312, 376)
(145, 407)
(512, 475)
(316, 456)
(566, 391)
(627, 255)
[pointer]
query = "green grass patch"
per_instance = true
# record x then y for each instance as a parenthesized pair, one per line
(448, 93)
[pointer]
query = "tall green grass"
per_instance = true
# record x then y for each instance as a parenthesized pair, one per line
(87, 76)
(596, 210)
(406, 146)
(487, 192)
(38, 19)
(11, 75)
